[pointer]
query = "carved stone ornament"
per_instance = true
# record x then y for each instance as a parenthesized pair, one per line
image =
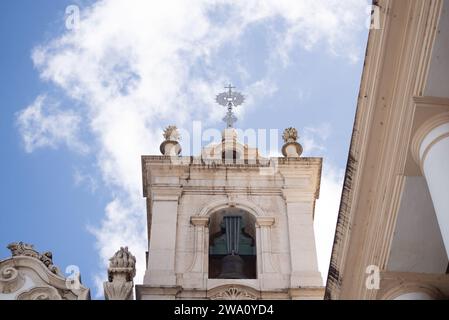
(121, 272)
(23, 249)
(290, 135)
(40, 293)
(27, 250)
(291, 148)
(29, 275)
(171, 133)
(233, 293)
(171, 146)
(11, 279)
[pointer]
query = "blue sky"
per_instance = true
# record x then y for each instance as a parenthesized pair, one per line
(78, 107)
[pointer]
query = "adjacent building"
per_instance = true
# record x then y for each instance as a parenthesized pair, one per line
(392, 237)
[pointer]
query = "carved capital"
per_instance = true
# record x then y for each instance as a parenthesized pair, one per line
(265, 221)
(199, 221)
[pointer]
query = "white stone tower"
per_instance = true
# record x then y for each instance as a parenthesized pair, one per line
(230, 224)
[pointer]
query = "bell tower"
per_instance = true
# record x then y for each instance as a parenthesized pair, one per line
(230, 224)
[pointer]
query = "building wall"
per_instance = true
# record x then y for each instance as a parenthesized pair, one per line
(386, 222)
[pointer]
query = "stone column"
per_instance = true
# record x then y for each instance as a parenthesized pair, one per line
(197, 273)
(431, 152)
(268, 273)
(304, 265)
(264, 233)
(162, 246)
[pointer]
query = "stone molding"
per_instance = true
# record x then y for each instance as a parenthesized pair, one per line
(395, 284)
(419, 154)
(236, 202)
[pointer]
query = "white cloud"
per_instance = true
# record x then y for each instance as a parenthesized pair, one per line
(313, 138)
(84, 179)
(326, 214)
(44, 124)
(132, 65)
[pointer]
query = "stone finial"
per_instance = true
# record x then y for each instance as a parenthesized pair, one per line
(27, 250)
(290, 135)
(171, 146)
(291, 148)
(121, 272)
(171, 133)
(122, 261)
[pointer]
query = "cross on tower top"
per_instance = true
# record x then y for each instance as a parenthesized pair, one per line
(230, 99)
(230, 87)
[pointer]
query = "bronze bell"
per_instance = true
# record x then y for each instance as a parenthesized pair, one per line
(232, 268)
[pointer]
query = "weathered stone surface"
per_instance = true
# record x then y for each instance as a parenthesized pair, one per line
(29, 275)
(121, 272)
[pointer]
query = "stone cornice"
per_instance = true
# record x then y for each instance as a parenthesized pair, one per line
(294, 177)
(166, 193)
(429, 102)
(293, 195)
(221, 190)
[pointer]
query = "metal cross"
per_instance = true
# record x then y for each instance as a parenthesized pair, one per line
(230, 99)
(230, 87)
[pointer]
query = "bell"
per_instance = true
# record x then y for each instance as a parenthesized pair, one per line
(232, 268)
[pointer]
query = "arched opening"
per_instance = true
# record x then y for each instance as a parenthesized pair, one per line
(232, 245)
(414, 296)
